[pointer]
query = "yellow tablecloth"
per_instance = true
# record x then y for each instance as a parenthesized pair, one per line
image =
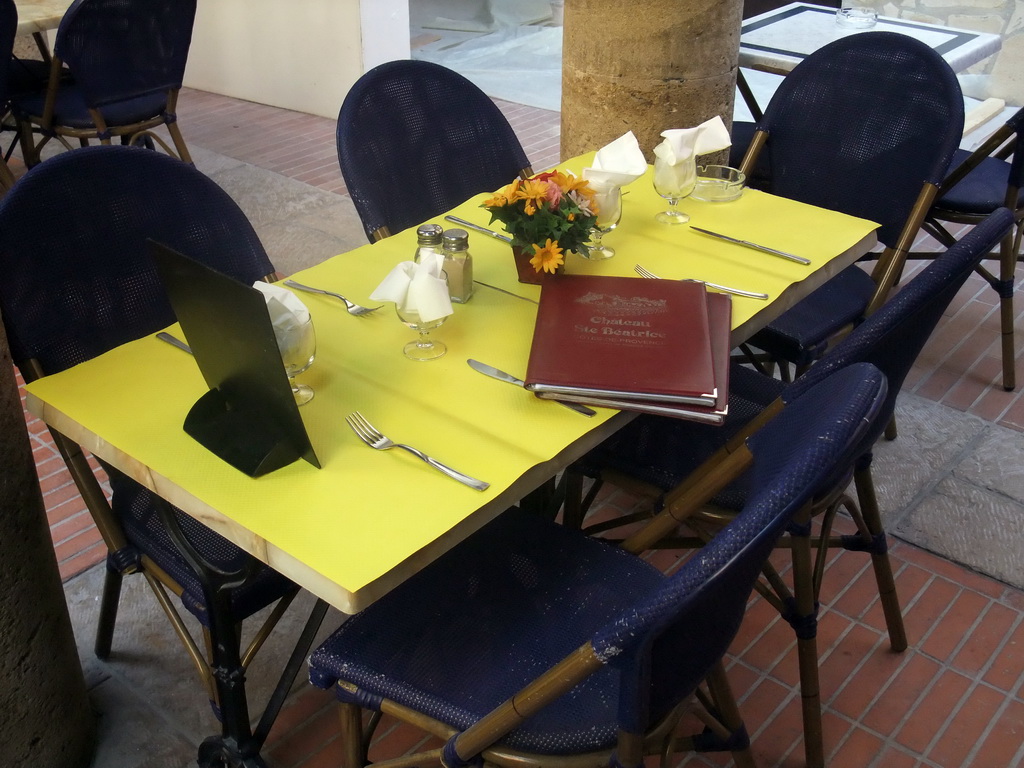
(369, 519)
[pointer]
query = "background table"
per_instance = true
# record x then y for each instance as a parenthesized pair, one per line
(368, 520)
(40, 15)
(778, 40)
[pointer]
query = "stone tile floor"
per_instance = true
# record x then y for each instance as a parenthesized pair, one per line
(951, 489)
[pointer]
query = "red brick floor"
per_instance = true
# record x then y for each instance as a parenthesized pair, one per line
(954, 698)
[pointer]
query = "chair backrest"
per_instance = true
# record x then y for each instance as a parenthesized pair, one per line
(666, 645)
(416, 139)
(123, 49)
(78, 279)
(862, 124)
(892, 338)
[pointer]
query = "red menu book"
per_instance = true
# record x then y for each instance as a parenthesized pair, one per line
(623, 338)
(720, 318)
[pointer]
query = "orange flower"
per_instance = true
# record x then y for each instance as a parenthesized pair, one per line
(570, 183)
(549, 258)
(500, 199)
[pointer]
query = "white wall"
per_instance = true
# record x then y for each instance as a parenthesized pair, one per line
(385, 25)
(300, 54)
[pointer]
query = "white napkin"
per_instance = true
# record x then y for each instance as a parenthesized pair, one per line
(288, 315)
(681, 144)
(618, 163)
(418, 287)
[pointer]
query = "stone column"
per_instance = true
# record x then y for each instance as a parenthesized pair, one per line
(645, 66)
(45, 717)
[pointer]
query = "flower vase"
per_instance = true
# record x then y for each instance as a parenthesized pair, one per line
(525, 270)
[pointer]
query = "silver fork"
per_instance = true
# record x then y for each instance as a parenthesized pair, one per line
(353, 308)
(370, 435)
(724, 289)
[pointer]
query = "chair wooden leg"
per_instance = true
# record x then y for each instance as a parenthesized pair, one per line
(810, 702)
(179, 143)
(108, 613)
(6, 176)
(175, 131)
(868, 503)
(1007, 267)
(29, 150)
(351, 736)
(890, 429)
(729, 713)
(804, 619)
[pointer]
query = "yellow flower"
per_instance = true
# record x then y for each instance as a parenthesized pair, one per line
(549, 258)
(533, 192)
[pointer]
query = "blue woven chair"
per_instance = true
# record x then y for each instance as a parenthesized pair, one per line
(8, 28)
(126, 60)
(416, 139)
(671, 460)
(78, 281)
(16, 75)
(530, 644)
(867, 126)
(31, 74)
(981, 181)
(743, 131)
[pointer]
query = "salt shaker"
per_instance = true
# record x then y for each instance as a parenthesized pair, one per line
(458, 264)
(428, 240)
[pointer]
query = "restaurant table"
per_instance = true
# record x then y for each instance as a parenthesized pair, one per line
(40, 15)
(368, 520)
(778, 40)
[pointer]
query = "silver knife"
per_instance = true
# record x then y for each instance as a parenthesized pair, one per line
(502, 290)
(494, 373)
(478, 228)
(174, 341)
(755, 246)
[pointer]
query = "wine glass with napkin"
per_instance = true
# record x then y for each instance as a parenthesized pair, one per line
(420, 294)
(615, 165)
(675, 163)
(296, 337)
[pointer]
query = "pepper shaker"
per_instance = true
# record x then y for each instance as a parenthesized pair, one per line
(458, 264)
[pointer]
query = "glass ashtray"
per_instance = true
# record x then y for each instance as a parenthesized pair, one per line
(718, 183)
(856, 17)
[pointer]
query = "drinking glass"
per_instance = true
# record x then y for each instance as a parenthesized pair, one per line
(674, 182)
(298, 348)
(424, 347)
(609, 212)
